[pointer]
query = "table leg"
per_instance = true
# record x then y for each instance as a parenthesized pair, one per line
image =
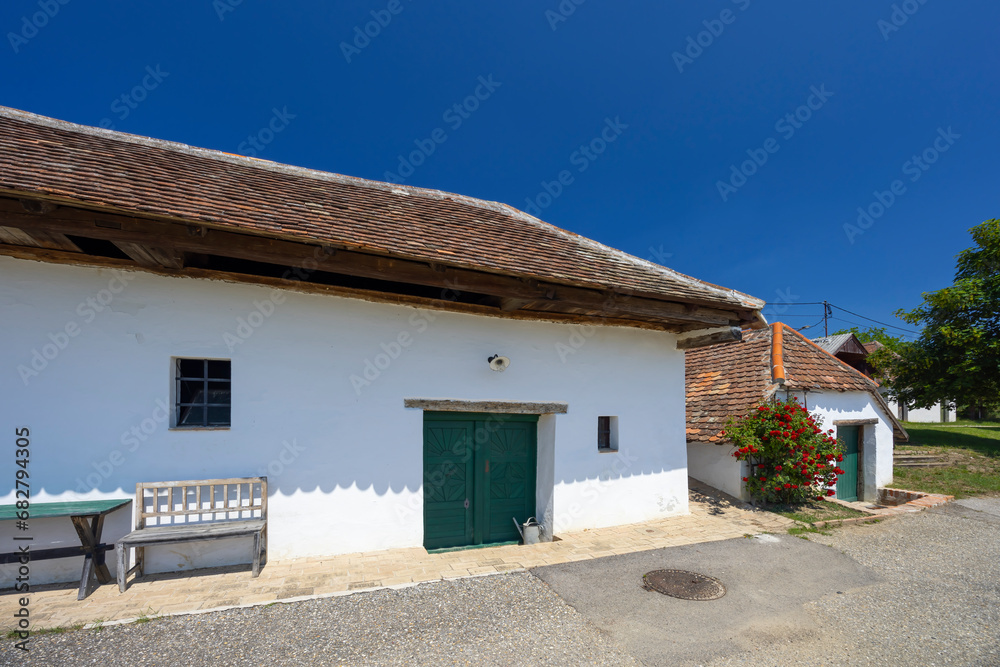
(97, 527)
(95, 571)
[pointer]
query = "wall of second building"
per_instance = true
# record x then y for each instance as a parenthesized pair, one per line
(318, 390)
(714, 465)
(833, 406)
(934, 414)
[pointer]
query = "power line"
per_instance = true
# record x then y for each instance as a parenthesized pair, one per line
(810, 326)
(885, 324)
(859, 324)
(822, 303)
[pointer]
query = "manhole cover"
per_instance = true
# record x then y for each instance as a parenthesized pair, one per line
(684, 585)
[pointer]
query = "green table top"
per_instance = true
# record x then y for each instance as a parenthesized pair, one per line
(76, 508)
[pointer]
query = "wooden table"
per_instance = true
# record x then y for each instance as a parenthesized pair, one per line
(88, 519)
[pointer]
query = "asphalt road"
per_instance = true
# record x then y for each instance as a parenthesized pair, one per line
(920, 590)
(768, 579)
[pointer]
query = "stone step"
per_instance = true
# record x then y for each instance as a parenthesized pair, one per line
(923, 464)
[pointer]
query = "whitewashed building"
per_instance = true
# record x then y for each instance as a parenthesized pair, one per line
(779, 363)
(173, 313)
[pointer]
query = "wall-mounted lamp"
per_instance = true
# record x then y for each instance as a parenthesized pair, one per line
(498, 363)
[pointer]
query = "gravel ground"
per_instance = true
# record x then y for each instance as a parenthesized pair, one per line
(938, 603)
(499, 620)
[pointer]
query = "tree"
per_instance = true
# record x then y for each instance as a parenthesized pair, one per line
(957, 356)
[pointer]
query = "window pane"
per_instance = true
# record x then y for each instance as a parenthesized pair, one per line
(192, 391)
(219, 369)
(218, 416)
(192, 368)
(603, 432)
(219, 392)
(190, 416)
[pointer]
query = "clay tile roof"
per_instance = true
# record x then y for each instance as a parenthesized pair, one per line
(107, 170)
(727, 380)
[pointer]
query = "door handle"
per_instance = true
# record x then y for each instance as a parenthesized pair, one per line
(466, 503)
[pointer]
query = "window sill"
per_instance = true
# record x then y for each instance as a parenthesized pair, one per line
(606, 450)
(200, 428)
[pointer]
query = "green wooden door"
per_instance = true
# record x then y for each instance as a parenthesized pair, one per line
(847, 484)
(448, 475)
(479, 474)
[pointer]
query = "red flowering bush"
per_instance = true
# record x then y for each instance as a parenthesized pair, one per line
(791, 459)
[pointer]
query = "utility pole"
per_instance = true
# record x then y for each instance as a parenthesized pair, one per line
(827, 311)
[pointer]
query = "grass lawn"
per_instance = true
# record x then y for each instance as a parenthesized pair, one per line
(816, 510)
(973, 455)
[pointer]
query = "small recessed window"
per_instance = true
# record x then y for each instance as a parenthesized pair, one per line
(607, 434)
(202, 393)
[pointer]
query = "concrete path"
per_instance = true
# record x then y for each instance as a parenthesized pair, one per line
(711, 518)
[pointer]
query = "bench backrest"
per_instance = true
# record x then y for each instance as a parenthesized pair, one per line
(164, 503)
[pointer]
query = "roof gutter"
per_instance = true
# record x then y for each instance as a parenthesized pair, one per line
(777, 354)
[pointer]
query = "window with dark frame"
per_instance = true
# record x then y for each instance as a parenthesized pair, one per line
(203, 393)
(604, 433)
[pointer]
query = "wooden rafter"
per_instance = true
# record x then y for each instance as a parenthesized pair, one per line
(151, 255)
(158, 243)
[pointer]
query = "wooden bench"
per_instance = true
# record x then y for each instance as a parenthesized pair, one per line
(174, 512)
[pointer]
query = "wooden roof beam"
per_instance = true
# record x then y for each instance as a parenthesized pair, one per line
(176, 238)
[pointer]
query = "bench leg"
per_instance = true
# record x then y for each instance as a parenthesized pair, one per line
(122, 552)
(256, 554)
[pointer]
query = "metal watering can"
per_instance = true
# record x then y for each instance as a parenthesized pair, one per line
(529, 531)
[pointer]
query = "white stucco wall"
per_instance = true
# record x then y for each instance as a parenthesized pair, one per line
(833, 406)
(929, 415)
(715, 466)
(344, 460)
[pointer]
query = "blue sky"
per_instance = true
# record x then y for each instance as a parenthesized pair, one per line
(700, 166)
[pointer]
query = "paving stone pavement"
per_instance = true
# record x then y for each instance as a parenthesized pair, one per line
(712, 517)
